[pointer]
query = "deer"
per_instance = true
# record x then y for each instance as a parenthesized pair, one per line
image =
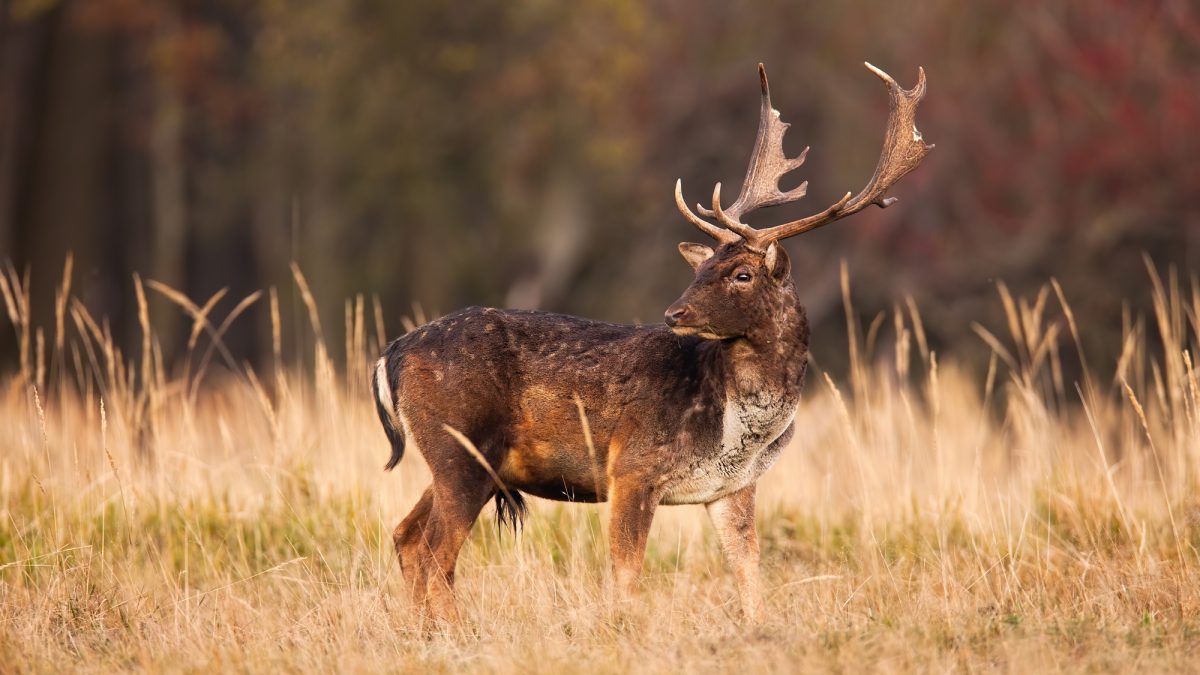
(505, 403)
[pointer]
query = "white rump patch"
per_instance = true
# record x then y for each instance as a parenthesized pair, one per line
(384, 391)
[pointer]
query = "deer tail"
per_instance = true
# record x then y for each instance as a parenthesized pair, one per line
(385, 406)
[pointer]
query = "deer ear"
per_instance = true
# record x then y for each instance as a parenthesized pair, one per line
(777, 261)
(695, 254)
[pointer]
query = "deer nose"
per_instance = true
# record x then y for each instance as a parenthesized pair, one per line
(674, 315)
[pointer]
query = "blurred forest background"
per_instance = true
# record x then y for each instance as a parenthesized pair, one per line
(525, 153)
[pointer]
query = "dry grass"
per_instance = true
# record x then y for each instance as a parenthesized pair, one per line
(924, 519)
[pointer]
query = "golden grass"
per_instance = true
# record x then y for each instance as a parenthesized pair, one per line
(925, 518)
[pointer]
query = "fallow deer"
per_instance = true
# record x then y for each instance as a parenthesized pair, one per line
(692, 412)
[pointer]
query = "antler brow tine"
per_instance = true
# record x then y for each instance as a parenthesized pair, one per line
(723, 236)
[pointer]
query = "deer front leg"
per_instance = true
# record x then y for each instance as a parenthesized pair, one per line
(633, 504)
(733, 518)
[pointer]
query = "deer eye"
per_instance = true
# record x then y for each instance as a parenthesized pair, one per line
(742, 277)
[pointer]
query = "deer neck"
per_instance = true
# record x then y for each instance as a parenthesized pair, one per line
(772, 356)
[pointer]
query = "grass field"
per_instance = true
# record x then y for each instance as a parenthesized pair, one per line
(925, 517)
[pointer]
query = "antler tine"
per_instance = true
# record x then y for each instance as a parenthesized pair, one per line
(721, 235)
(903, 150)
(723, 216)
(768, 164)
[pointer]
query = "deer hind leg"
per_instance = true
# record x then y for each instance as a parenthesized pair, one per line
(428, 542)
(456, 506)
(411, 538)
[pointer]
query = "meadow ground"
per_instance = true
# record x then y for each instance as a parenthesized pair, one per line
(925, 517)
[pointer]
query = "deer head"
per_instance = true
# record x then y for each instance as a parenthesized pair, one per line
(747, 277)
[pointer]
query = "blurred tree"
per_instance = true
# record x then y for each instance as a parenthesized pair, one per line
(524, 153)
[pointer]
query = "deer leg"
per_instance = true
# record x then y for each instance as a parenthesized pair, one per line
(733, 518)
(411, 538)
(633, 504)
(455, 508)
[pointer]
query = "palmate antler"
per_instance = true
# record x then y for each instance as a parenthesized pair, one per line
(903, 150)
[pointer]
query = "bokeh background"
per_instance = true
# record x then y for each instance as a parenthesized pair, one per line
(524, 153)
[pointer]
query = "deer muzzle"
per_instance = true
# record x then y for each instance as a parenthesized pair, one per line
(677, 314)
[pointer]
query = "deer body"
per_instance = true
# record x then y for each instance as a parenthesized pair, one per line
(571, 409)
(699, 415)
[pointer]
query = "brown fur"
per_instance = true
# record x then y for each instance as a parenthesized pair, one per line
(689, 414)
